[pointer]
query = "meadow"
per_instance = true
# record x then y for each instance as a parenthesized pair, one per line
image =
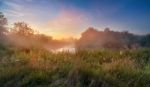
(84, 68)
(74, 43)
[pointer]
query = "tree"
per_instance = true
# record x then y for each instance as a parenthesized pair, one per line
(145, 41)
(23, 29)
(3, 23)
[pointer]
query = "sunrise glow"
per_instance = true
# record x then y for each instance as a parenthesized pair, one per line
(74, 43)
(64, 19)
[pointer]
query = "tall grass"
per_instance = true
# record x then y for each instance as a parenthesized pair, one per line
(85, 68)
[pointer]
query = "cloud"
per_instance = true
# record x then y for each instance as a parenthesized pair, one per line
(62, 22)
(15, 11)
(68, 23)
(13, 5)
(15, 8)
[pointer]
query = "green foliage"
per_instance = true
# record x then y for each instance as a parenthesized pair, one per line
(41, 68)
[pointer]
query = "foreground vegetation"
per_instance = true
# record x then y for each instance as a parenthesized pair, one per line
(26, 59)
(41, 68)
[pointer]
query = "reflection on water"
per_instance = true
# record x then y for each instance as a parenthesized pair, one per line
(70, 49)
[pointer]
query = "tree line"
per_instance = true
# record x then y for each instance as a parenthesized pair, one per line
(108, 39)
(22, 35)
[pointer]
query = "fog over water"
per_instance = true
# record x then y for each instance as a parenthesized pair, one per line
(69, 48)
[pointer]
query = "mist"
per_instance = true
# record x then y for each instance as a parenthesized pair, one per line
(22, 36)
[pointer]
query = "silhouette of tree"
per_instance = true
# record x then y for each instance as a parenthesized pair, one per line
(3, 23)
(107, 39)
(145, 41)
(23, 29)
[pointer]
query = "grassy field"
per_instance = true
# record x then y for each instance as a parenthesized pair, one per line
(41, 68)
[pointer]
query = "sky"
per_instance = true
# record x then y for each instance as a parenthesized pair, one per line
(69, 18)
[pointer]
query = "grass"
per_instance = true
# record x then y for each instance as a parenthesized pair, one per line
(85, 68)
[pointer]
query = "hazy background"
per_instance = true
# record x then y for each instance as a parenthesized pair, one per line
(68, 18)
